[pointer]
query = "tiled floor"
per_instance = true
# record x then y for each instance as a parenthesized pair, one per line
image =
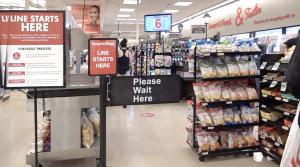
(133, 140)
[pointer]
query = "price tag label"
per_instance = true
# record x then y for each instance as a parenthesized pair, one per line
(283, 86)
(265, 120)
(273, 84)
(256, 104)
(263, 106)
(277, 144)
(205, 153)
(211, 128)
(204, 104)
(287, 113)
(229, 102)
(263, 65)
(264, 81)
(278, 98)
(264, 95)
(220, 54)
(285, 128)
(276, 66)
(285, 100)
(267, 149)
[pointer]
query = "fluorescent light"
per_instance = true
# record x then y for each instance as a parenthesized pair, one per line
(121, 19)
(123, 15)
(131, 2)
(171, 11)
(132, 19)
(126, 10)
(205, 11)
(183, 3)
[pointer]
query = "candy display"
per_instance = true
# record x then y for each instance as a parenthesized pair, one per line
(213, 141)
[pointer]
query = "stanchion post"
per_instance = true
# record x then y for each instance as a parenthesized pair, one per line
(103, 96)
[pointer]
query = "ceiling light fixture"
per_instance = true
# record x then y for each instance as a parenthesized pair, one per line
(205, 11)
(123, 15)
(183, 3)
(171, 11)
(131, 2)
(127, 10)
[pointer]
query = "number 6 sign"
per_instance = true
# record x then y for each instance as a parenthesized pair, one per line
(158, 23)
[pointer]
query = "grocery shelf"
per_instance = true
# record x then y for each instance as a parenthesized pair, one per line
(228, 126)
(280, 99)
(228, 78)
(225, 152)
(203, 55)
(222, 103)
(277, 125)
(267, 152)
(180, 49)
(287, 114)
(275, 143)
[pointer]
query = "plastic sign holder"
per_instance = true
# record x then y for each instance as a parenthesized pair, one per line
(102, 61)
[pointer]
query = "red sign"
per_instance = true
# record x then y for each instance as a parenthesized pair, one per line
(103, 56)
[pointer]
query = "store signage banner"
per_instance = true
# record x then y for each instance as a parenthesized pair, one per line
(103, 56)
(198, 29)
(87, 18)
(248, 16)
(145, 90)
(32, 48)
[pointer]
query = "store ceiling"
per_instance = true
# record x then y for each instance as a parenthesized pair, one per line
(112, 10)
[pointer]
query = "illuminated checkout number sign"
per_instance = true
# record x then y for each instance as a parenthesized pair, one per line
(158, 23)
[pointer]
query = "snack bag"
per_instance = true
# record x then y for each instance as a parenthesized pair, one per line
(241, 140)
(203, 141)
(95, 119)
(245, 115)
(214, 141)
(215, 91)
(224, 139)
(225, 94)
(244, 67)
(237, 115)
(241, 93)
(254, 114)
(253, 68)
(217, 116)
(232, 140)
(248, 136)
(205, 118)
(87, 132)
(252, 94)
(228, 116)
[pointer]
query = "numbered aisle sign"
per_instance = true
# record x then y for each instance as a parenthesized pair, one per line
(103, 56)
(32, 48)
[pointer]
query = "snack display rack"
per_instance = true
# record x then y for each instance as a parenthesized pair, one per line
(278, 106)
(197, 126)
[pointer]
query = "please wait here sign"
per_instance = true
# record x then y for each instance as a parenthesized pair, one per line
(102, 57)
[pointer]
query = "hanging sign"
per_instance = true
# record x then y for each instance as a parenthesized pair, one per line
(103, 56)
(145, 90)
(32, 48)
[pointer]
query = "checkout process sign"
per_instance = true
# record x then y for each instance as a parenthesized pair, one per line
(145, 90)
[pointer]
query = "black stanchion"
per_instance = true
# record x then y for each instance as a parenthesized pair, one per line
(36, 155)
(103, 100)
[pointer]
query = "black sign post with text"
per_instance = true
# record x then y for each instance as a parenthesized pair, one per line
(102, 62)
